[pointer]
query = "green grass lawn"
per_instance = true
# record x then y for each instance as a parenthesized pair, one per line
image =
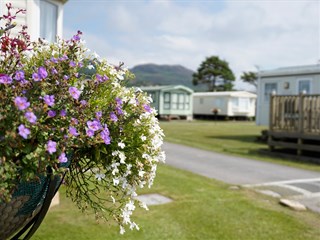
(202, 208)
(232, 137)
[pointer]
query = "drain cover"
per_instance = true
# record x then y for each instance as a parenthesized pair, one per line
(153, 199)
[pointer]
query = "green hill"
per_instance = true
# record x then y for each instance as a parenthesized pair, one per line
(152, 74)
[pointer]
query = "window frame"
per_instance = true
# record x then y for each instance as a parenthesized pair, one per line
(309, 80)
(267, 94)
(166, 100)
(43, 10)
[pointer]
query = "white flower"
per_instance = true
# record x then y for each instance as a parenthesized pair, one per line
(121, 145)
(143, 205)
(143, 138)
(116, 182)
(141, 173)
(122, 157)
(122, 230)
(146, 156)
(90, 66)
(100, 176)
(96, 55)
(134, 225)
(130, 205)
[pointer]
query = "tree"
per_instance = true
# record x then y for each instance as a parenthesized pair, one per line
(216, 73)
(250, 77)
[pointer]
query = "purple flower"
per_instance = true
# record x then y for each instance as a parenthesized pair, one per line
(99, 77)
(36, 77)
(105, 135)
(119, 110)
(113, 117)
(5, 79)
(83, 102)
(74, 121)
(73, 131)
(42, 72)
(94, 125)
(49, 100)
(51, 146)
(63, 113)
(75, 93)
(119, 101)
(72, 64)
(105, 78)
(76, 38)
(63, 58)
(98, 115)
(65, 77)
(90, 132)
(52, 113)
(21, 102)
(31, 117)
(54, 71)
(19, 75)
(54, 60)
(62, 158)
(23, 131)
(23, 82)
(147, 108)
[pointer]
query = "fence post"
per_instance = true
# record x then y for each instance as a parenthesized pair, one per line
(271, 116)
(301, 123)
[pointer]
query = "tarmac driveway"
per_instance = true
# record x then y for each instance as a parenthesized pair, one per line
(282, 181)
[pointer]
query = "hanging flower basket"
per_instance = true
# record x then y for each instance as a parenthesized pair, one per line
(59, 98)
(28, 206)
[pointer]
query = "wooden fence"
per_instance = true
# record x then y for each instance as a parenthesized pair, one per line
(296, 114)
(295, 123)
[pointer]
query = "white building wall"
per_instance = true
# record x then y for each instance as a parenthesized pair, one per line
(286, 85)
(32, 16)
(204, 104)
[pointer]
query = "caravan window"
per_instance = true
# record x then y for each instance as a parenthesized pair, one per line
(174, 101)
(181, 101)
(166, 100)
(48, 20)
(187, 102)
(304, 86)
(269, 88)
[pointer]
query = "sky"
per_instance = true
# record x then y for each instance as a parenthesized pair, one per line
(248, 34)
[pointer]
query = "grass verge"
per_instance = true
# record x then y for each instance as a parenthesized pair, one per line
(202, 208)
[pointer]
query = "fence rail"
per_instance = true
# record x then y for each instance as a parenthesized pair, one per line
(298, 114)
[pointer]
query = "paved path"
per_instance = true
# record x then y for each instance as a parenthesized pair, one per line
(289, 182)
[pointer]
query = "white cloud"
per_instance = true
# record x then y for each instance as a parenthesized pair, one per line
(244, 33)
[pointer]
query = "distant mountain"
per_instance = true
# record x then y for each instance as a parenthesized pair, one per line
(153, 74)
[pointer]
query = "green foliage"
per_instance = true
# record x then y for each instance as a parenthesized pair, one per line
(250, 77)
(216, 73)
